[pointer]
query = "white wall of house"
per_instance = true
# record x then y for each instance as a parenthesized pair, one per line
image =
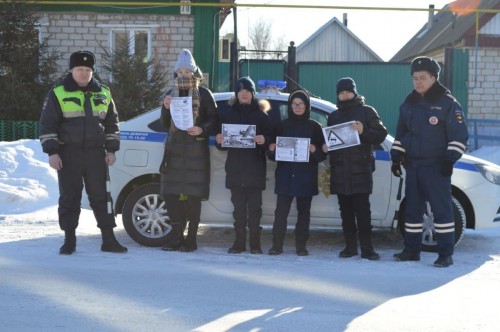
(68, 33)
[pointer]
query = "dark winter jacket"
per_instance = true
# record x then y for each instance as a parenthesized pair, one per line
(299, 178)
(430, 129)
(80, 117)
(187, 157)
(246, 167)
(352, 167)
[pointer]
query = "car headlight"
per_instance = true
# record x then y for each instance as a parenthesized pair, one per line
(490, 172)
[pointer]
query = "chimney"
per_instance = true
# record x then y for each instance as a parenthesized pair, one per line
(430, 22)
(344, 19)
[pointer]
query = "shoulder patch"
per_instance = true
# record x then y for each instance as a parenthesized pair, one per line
(459, 116)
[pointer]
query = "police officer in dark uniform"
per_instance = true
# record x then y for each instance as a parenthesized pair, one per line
(431, 135)
(79, 131)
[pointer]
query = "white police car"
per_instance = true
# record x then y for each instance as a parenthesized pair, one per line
(135, 183)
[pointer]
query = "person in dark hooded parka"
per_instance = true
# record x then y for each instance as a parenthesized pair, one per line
(296, 179)
(351, 168)
(246, 167)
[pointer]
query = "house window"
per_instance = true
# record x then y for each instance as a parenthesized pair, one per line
(138, 39)
(224, 49)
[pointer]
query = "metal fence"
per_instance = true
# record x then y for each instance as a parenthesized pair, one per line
(11, 130)
(483, 132)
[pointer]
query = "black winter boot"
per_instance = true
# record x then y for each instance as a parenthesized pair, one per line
(367, 251)
(69, 245)
(189, 244)
(443, 261)
(300, 247)
(351, 246)
(110, 243)
(406, 255)
(240, 243)
(277, 248)
(175, 238)
(254, 239)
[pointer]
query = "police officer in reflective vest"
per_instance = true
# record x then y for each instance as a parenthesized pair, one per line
(79, 131)
(431, 135)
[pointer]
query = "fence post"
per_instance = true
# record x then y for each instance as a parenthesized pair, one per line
(476, 143)
(291, 68)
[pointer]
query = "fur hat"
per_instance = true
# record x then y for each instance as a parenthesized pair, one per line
(303, 95)
(185, 61)
(82, 58)
(346, 84)
(245, 83)
(424, 63)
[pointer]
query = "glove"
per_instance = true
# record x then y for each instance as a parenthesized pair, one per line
(447, 168)
(396, 169)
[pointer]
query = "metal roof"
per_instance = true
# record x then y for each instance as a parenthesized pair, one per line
(335, 42)
(448, 29)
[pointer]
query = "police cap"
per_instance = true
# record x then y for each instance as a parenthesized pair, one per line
(82, 58)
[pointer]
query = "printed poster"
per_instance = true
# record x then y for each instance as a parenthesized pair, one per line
(181, 110)
(341, 136)
(294, 149)
(238, 136)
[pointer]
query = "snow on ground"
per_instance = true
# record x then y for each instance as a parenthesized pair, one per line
(208, 290)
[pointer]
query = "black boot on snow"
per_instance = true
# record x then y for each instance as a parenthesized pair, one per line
(254, 241)
(240, 242)
(110, 243)
(189, 244)
(175, 239)
(351, 245)
(300, 247)
(443, 261)
(369, 254)
(69, 245)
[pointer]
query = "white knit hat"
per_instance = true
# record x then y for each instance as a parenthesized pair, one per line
(185, 61)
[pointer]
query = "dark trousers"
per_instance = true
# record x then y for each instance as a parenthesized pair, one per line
(181, 211)
(283, 205)
(426, 184)
(356, 214)
(81, 166)
(247, 204)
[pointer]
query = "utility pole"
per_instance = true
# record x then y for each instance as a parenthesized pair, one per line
(234, 65)
(291, 68)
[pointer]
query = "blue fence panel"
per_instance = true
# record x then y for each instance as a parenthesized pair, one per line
(483, 132)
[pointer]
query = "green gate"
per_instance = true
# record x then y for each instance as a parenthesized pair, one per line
(384, 85)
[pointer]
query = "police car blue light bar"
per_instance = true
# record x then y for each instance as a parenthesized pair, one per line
(271, 84)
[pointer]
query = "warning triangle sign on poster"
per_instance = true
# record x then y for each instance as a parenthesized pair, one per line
(341, 136)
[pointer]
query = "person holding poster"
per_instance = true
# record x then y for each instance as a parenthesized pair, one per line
(351, 168)
(296, 179)
(190, 113)
(246, 167)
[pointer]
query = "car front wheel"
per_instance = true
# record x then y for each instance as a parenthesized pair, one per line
(145, 216)
(429, 242)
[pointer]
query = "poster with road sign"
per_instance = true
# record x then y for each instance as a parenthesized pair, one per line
(238, 136)
(341, 136)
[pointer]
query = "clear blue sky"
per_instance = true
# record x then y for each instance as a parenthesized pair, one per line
(384, 31)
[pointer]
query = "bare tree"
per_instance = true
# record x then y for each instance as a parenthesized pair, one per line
(260, 37)
(280, 45)
(261, 40)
